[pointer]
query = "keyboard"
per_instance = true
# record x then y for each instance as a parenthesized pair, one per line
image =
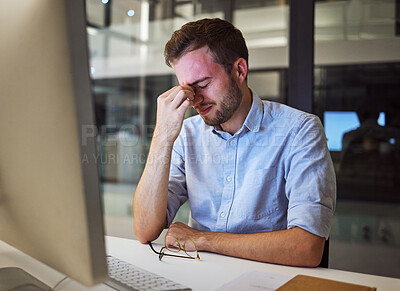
(125, 276)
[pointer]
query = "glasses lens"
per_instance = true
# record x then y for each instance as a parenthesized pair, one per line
(172, 244)
(190, 249)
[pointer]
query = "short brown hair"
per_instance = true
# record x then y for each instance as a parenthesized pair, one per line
(225, 42)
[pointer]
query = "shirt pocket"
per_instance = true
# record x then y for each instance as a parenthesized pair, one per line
(261, 176)
(268, 219)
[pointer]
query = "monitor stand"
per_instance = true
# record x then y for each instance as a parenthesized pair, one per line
(12, 278)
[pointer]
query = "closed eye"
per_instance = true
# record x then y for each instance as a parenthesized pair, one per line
(203, 87)
(201, 81)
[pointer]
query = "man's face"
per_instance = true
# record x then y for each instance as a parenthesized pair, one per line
(217, 95)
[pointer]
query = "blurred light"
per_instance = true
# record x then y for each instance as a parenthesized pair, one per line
(144, 21)
(131, 12)
(381, 119)
(92, 70)
(104, 1)
(267, 42)
(92, 31)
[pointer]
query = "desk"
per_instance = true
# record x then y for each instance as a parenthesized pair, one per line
(210, 273)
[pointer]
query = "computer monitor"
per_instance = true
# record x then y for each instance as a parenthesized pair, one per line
(337, 123)
(50, 203)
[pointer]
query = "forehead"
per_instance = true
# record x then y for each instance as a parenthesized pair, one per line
(196, 65)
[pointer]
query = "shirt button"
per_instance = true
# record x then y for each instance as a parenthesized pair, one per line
(222, 214)
(232, 142)
(229, 178)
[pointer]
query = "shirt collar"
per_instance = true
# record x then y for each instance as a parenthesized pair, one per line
(255, 115)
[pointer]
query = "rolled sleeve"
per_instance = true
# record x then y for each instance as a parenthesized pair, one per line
(310, 180)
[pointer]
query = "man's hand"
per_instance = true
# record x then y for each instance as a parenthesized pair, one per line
(171, 108)
(295, 247)
(182, 232)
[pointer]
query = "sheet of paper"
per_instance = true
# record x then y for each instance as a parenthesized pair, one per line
(256, 281)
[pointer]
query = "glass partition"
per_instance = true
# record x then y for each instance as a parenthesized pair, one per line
(357, 96)
(355, 20)
(356, 69)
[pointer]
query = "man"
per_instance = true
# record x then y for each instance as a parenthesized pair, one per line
(258, 175)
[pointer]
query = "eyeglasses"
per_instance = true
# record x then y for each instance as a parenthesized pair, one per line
(173, 247)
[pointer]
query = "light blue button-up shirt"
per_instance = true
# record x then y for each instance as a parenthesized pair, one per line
(274, 173)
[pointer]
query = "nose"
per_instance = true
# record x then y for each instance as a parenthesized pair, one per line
(198, 98)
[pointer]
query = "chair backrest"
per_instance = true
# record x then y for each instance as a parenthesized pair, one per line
(325, 256)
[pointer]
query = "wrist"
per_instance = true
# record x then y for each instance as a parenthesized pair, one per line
(204, 241)
(167, 132)
(159, 154)
(162, 138)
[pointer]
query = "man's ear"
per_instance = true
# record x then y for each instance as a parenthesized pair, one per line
(240, 70)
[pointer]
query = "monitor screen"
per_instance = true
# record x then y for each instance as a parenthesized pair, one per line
(336, 123)
(50, 204)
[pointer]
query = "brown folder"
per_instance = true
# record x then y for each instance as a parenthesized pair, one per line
(303, 282)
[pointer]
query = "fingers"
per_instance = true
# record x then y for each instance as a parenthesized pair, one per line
(170, 241)
(184, 96)
(171, 108)
(184, 234)
(179, 230)
(177, 95)
(181, 103)
(180, 98)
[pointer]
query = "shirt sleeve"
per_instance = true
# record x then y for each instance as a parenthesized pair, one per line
(177, 190)
(310, 180)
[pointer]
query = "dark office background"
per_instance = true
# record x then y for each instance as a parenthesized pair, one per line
(365, 233)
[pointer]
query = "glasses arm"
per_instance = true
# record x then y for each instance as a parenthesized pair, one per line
(152, 248)
(161, 253)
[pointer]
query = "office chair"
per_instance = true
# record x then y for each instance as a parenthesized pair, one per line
(325, 256)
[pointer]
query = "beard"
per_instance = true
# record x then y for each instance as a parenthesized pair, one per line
(228, 106)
